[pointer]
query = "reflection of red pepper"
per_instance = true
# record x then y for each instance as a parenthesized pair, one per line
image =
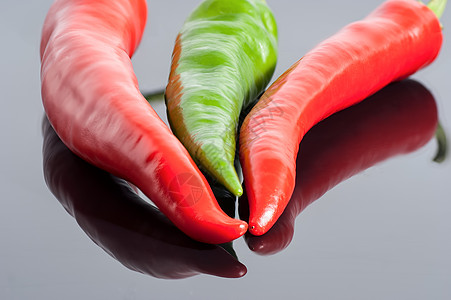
(132, 231)
(91, 96)
(393, 42)
(399, 119)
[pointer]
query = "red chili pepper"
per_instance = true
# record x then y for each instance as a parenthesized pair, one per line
(91, 96)
(397, 39)
(399, 119)
(132, 231)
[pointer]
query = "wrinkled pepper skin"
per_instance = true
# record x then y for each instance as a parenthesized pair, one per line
(92, 99)
(223, 58)
(394, 41)
(397, 120)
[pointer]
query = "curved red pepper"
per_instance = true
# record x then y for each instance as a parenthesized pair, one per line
(399, 119)
(132, 231)
(91, 96)
(397, 39)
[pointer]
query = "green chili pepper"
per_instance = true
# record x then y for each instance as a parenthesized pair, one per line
(224, 56)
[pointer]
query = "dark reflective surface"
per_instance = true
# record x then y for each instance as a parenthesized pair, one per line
(383, 233)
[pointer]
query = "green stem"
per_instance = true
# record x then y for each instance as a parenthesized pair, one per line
(154, 96)
(442, 142)
(437, 6)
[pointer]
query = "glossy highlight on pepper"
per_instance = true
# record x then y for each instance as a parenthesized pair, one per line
(223, 58)
(91, 97)
(393, 42)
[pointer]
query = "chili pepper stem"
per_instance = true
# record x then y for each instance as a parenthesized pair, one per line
(437, 6)
(154, 96)
(442, 142)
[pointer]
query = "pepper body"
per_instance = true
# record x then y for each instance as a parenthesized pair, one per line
(397, 120)
(131, 230)
(393, 42)
(223, 58)
(92, 99)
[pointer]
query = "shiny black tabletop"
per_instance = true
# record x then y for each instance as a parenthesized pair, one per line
(369, 217)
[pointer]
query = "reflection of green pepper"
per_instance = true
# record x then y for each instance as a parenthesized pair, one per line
(223, 58)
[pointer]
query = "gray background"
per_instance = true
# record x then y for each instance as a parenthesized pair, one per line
(383, 234)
